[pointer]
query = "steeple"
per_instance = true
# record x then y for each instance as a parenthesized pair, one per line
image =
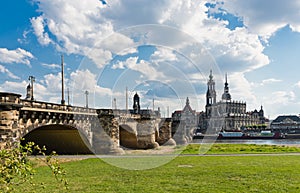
(211, 92)
(226, 95)
(261, 111)
(136, 104)
(187, 101)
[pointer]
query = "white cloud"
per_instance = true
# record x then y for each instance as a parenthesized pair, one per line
(241, 90)
(78, 28)
(53, 83)
(95, 30)
(14, 87)
(85, 80)
(51, 66)
(89, 28)
(298, 84)
(270, 81)
(282, 98)
(6, 71)
(38, 25)
(146, 68)
(163, 54)
(15, 56)
(265, 17)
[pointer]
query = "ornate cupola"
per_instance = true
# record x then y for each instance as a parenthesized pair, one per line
(226, 95)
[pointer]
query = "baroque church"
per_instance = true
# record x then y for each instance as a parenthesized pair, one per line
(227, 114)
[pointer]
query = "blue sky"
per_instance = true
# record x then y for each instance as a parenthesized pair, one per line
(161, 49)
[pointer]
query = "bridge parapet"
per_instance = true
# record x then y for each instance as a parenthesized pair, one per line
(56, 107)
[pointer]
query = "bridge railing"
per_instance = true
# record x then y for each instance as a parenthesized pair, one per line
(54, 106)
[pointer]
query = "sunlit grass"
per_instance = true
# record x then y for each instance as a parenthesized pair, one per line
(184, 173)
(239, 148)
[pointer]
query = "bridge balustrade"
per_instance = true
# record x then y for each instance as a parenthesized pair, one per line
(54, 106)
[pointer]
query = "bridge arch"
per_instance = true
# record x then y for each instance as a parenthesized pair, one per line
(127, 136)
(63, 139)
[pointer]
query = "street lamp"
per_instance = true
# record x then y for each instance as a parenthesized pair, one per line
(86, 98)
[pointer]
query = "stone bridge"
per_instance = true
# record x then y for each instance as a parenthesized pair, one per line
(78, 130)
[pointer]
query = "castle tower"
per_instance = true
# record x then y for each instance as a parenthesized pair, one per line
(226, 95)
(211, 92)
(136, 104)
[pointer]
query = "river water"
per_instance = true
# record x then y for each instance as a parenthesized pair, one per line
(256, 141)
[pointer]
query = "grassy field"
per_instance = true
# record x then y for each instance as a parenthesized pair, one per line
(182, 174)
(238, 149)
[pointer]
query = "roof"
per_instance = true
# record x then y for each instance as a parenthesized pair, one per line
(177, 112)
(188, 108)
(283, 117)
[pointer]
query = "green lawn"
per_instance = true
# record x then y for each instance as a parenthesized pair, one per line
(183, 174)
(236, 149)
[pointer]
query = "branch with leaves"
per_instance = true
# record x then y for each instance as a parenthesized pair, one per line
(16, 167)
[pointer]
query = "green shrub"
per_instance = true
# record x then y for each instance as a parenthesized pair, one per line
(16, 167)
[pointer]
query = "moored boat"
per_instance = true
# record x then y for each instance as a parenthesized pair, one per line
(231, 135)
(264, 135)
(250, 135)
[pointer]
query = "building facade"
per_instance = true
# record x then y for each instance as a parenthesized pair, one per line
(185, 119)
(227, 114)
(289, 124)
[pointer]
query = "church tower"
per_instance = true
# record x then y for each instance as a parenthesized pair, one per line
(211, 92)
(210, 97)
(136, 104)
(226, 95)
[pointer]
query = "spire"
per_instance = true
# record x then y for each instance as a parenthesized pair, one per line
(226, 95)
(211, 92)
(210, 75)
(187, 101)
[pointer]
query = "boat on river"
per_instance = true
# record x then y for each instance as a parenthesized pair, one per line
(250, 135)
(264, 135)
(231, 135)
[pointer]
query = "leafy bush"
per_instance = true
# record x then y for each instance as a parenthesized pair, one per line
(16, 167)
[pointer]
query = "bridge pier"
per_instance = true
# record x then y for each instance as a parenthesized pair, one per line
(146, 134)
(180, 135)
(165, 133)
(106, 134)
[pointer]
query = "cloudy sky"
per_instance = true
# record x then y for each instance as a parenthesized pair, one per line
(161, 49)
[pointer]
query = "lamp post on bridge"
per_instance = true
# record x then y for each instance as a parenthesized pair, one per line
(62, 81)
(86, 98)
